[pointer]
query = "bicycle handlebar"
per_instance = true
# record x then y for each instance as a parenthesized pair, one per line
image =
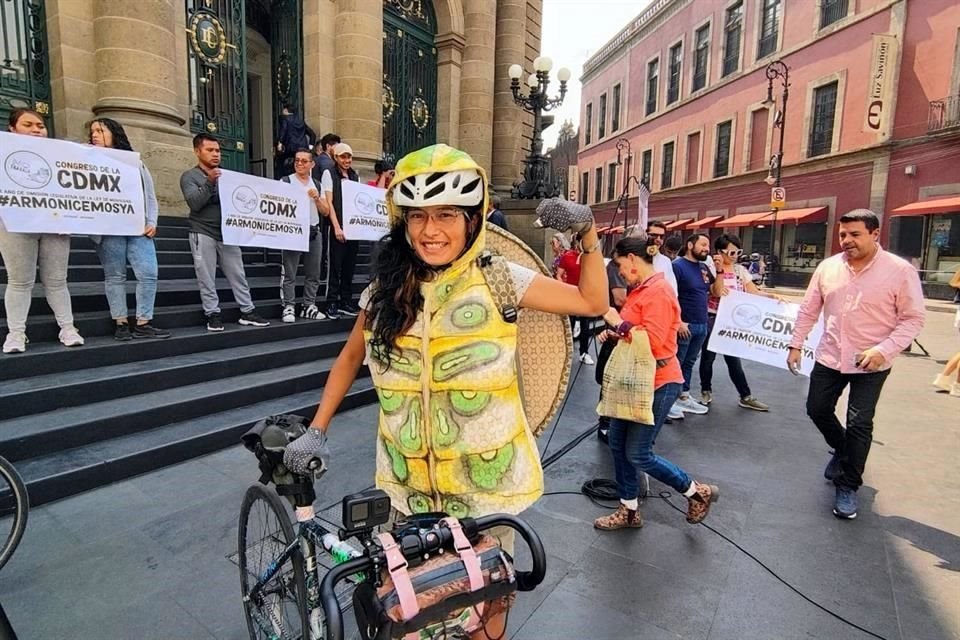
(441, 537)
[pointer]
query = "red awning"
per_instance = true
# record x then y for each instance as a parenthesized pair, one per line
(743, 220)
(810, 215)
(705, 223)
(677, 225)
(927, 207)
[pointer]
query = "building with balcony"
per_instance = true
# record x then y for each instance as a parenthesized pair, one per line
(872, 120)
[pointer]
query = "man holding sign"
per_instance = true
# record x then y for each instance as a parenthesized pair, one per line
(872, 305)
(343, 252)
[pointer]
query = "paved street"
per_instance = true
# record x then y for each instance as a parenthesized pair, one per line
(146, 558)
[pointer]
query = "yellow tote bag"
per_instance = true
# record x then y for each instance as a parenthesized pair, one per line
(628, 380)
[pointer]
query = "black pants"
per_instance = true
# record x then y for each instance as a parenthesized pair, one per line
(585, 329)
(734, 366)
(605, 350)
(343, 261)
(852, 442)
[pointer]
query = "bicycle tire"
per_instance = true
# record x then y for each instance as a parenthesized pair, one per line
(284, 604)
(14, 502)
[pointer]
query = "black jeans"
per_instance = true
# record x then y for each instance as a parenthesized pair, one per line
(605, 350)
(584, 338)
(734, 366)
(343, 261)
(853, 442)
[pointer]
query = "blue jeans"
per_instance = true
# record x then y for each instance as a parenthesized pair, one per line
(632, 446)
(688, 350)
(141, 252)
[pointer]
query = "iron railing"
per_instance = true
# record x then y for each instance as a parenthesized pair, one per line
(944, 114)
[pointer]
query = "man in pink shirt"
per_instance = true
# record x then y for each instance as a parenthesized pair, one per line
(872, 306)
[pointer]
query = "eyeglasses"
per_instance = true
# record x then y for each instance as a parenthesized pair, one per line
(441, 218)
(734, 253)
(656, 235)
(302, 161)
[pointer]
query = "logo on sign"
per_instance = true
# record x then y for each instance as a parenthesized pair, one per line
(27, 169)
(245, 199)
(365, 204)
(746, 315)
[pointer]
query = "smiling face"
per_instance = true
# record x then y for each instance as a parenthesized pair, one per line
(438, 234)
(857, 242)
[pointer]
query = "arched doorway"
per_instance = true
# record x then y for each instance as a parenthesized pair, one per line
(409, 76)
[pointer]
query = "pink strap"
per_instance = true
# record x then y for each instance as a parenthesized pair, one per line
(467, 555)
(397, 567)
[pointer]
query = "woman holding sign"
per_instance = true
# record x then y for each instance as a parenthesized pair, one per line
(140, 251)
(21, 254)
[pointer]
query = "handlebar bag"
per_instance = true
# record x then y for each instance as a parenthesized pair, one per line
(450, 595)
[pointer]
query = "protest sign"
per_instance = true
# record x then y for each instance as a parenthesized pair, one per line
(364, 215)
(756, 328)
(258, 212)
(55, 186)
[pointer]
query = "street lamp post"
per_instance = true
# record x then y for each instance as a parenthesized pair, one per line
(535, 183)
(777, 70)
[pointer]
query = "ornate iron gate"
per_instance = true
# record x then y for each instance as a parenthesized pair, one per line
(24, 66)
(410, 76)
(218, 75)
(286, 59)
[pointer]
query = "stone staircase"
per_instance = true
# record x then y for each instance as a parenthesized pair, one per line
(75, 419)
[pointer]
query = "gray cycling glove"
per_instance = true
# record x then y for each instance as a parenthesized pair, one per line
(564, 215)
(312, 445)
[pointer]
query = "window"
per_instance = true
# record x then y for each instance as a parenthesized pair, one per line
(615, 116)
(769, 28)
(701, 58)
(646, 167)
(832, 10)
(598, 185)
(824, 110)
(721, 162)
(589, 125)
(733, 28)
(612, 181)
(602, 118)
(666, 174)
(584, 186)
(758, 140)
(673, 82)
(693, 158)
(653, 80)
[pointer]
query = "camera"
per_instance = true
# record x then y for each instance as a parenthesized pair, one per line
(365, 510)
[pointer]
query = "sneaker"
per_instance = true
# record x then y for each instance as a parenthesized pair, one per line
(833, 469)
(622, 518)
(15, 343)
(706, 397)
(289, 314)
(689, 405)
(149, 331)
(845, 506)
(676, 413)
(311, 312)
(349, 309)
(122, 332)
(942, 383)
(955, 390)
(252, 319)
(752, 403)
(586, 359)
(698, 505)
(332, 312)
(214, 323)
(69, 337)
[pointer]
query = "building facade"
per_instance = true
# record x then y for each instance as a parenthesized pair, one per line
(871, 120)
(388, 76)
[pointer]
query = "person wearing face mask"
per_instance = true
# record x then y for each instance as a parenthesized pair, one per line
(25, 253)
(140, 251)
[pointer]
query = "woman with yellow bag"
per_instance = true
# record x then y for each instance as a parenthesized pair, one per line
(640, 384)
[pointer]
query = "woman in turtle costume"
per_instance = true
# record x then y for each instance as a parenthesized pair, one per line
(452, 434)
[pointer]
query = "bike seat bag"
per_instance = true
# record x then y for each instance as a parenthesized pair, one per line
(450, 595)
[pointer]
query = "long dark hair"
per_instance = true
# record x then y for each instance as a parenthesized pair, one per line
(120, 140)
(395, 298)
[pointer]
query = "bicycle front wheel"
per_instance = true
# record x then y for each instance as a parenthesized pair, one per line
(14, 506)
(279, 610)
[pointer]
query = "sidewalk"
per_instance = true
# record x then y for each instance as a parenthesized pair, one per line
(146, 558)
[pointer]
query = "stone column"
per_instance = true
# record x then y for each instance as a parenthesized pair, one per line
(318, 67)
(358, 78)
(476, 82)
(73, 74)
(507, 116)
(449, 73)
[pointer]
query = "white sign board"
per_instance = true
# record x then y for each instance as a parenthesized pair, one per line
(258, 212)
(55, 186)
(364, 215)
(760, 329)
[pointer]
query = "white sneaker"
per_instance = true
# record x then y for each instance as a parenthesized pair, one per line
(942, 382)
(676, 413)
(576, 330)
(289, 314)
(70, 338)
(15, 343)
(689, 405)
(311, 312)
(586, 359)
(955, 390)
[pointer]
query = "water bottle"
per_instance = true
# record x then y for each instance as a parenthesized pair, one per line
(339, 550)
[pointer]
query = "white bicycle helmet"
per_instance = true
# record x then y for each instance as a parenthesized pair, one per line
(461, 188)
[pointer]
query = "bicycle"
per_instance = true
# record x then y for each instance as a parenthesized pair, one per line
(14, 507)
(291, 580)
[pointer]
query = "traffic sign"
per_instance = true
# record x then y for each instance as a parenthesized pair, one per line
(778, 197)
